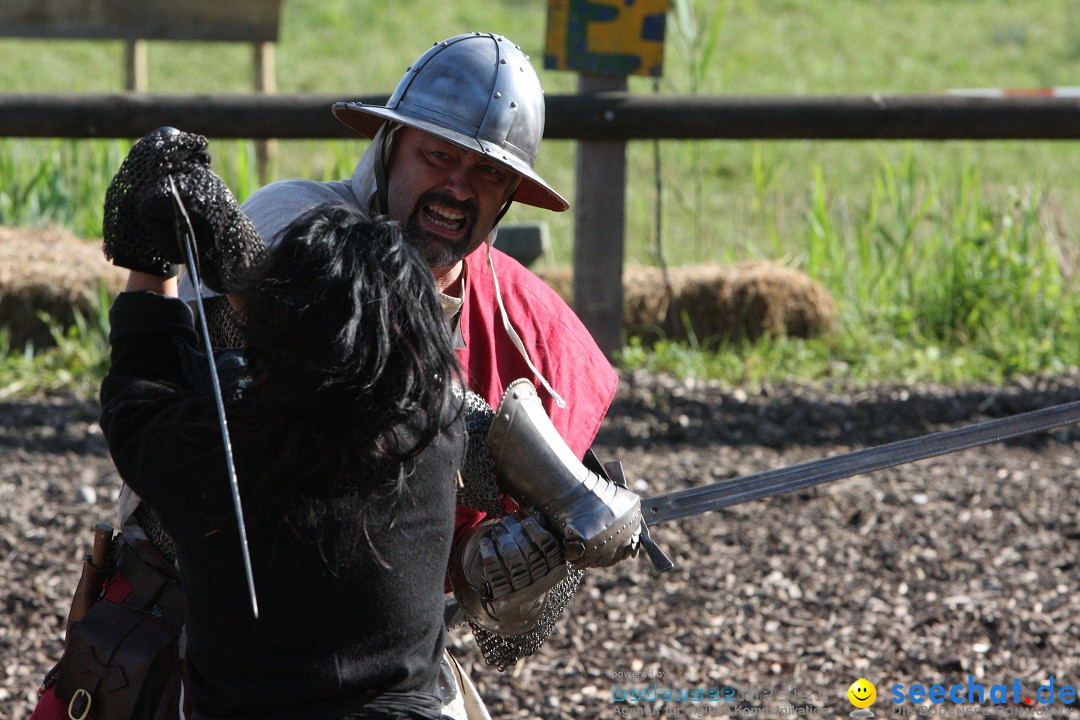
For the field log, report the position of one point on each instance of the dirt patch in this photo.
(962, 565)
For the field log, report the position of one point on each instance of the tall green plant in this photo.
(695, 27)
(56, 181)
(63, 182)
(948, 268)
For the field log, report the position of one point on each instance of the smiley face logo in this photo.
(862, 693)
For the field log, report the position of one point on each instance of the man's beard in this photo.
(437, 250)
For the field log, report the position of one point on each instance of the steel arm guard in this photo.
(599, 521)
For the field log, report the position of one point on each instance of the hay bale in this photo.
(717, 303)
(53, 271)
(49, 270)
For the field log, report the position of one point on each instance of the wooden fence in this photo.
(602, 120)
(602, 116)
(137, 21)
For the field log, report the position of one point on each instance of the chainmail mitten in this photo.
(226, 241)
(128, 241)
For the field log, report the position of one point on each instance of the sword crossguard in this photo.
(656, 554)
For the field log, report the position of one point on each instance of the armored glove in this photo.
(127, 240)
(599, 520)
(502, 571)
(140, 215)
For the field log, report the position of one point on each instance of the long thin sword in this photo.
(185, 235)
(725, 493)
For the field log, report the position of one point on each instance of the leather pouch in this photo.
(122, 660)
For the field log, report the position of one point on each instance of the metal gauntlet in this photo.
(599, 521)
(502, 571)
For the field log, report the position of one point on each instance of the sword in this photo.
(185, 236)
(725, 493)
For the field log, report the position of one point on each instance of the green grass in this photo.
(950, 261)
(74, 364)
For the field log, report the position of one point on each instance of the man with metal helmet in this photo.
(451, 150)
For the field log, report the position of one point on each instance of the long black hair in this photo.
(351, 369)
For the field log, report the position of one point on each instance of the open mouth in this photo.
(445, 218)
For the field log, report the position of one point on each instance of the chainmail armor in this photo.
(128, 241)
(226, 241)
(151, 525)
(503, 651)
(139, 225)
(479, 490)
(223, 323)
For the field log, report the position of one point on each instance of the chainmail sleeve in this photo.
(223, 323)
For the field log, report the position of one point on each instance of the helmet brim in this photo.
(532, 190)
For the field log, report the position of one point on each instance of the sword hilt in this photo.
(656, 554)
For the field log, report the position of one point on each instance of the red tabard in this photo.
(558, 343)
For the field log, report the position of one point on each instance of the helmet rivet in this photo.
(513, 104)
(498, 94)
(503, 61)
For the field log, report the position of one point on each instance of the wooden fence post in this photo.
(265, 82)
(136, 75)
(599, 212)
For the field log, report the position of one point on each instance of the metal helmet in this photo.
(479, 92)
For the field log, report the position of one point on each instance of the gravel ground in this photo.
(959, 566)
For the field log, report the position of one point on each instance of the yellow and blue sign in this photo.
(607, 37)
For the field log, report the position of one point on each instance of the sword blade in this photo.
(725, 493)
(186, 236)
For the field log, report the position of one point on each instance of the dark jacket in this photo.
(331, 638)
